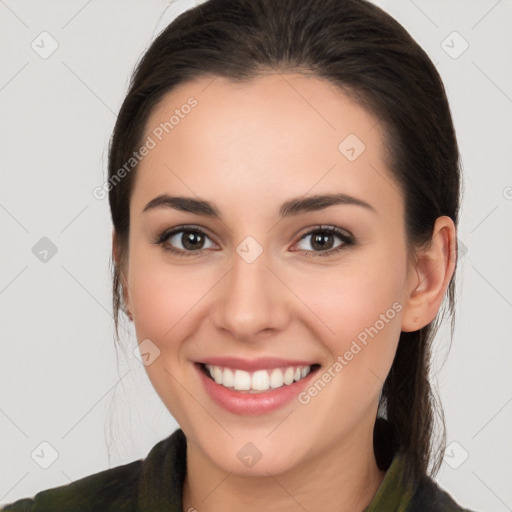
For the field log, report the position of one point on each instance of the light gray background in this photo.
(61, 382)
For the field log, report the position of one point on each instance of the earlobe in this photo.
(430, 276)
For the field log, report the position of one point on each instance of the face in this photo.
(262, 280)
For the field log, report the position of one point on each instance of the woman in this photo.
(284, 189)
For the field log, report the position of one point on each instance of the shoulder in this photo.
(429, 497)
(112, 489)
(117, 489)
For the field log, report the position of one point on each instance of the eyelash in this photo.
(347, 240)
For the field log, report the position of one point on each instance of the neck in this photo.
(343, 478)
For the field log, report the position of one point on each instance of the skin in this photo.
(248, 148)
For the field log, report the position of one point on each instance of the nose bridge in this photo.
(250, 301)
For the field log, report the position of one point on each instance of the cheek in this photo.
(352, 296)
(163, 297)
(357, 308)
(360, 312)
(165, 300)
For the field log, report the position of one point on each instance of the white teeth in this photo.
(242, 381)
(276, 378)
(260, 380)
(288, 376)
(304, 371)
(228, 378)
(217, 374)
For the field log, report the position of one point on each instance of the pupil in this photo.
(322, 241)
(191, 240)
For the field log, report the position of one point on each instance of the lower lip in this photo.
(240, 402)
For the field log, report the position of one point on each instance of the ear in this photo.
(429, 276)
(121, 266)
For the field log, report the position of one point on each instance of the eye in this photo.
(323, 241)
(184, 241)
(190, 241)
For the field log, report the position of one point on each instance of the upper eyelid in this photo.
(336, 230)
(178, 229)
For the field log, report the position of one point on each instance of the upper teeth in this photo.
(260, 380)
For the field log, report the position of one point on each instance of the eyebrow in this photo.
(291, 207)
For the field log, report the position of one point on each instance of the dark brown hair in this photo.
(372, 58)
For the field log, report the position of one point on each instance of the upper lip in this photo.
(261, 363)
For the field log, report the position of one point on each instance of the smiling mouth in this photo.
(258, 381)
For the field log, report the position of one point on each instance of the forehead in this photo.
(274, 136)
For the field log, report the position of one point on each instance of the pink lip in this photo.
(252, 365)
(239, 402)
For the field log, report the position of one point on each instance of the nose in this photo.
(251, 303)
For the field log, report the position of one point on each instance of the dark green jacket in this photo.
(155, 484)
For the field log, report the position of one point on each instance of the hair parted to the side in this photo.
(372, 58)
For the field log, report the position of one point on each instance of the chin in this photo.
(259, 457)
